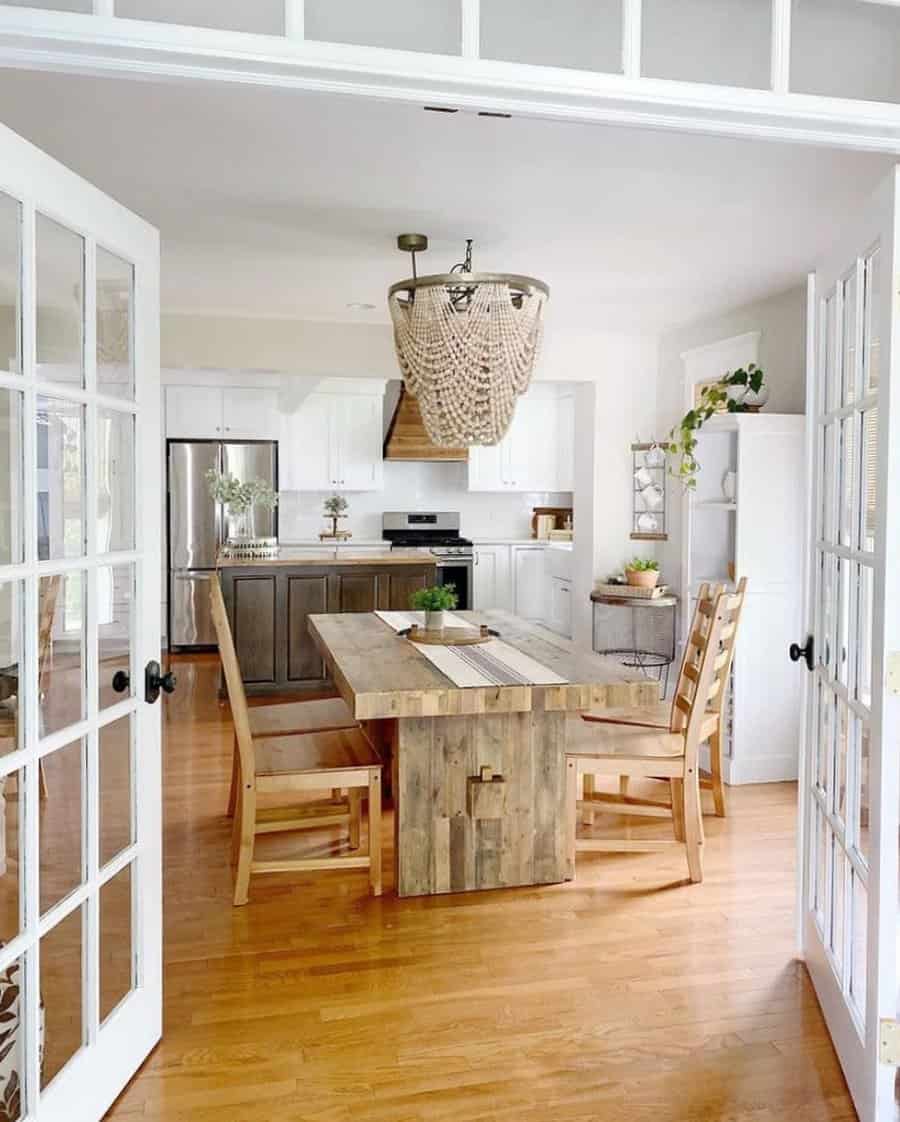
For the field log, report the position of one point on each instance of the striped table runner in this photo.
(493, 663)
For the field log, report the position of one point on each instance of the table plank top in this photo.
(381, 675)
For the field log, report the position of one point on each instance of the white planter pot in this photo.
(434, 621)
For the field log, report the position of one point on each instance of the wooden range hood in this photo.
(408, 439)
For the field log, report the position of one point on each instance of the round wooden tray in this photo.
(450, 636)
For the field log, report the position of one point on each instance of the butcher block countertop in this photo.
(328, 555)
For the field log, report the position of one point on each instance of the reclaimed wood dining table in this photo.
(478, 772)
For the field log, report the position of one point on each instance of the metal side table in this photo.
(640, 632)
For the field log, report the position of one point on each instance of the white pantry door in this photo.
(80, 777)
(850, 792)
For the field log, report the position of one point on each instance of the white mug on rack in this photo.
(653, 496)
(643, 478)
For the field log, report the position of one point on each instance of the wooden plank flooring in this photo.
(625, 995)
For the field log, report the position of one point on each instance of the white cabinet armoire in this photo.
(758, 534)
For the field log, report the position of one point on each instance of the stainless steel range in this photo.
(435, 533)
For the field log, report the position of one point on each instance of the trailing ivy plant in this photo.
(682, 440)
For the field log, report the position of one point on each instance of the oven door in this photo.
(457, 572)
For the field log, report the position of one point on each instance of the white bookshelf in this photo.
(759, 535)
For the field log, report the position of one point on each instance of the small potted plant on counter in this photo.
(642, 573)
(434, 602)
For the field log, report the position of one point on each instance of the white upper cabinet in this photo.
(250, 413)
(333, 441)
(535, 454)
(359, 429)
(217, 413)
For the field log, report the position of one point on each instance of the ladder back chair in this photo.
(292, 762)
(603, 749)
(660, 716)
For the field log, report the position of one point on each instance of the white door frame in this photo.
(88, 1084)
(856, 1034)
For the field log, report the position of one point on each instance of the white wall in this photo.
(781, 320)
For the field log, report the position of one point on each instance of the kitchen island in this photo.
(269, 603)
(478, 772)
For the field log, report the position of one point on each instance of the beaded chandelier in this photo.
(467, 344)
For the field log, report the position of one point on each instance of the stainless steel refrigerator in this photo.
(197, 525)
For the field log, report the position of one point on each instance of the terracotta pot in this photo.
(642, 578)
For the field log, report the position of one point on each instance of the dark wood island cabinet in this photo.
(269, 603)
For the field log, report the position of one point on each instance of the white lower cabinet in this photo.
(529, 582)
(559, 608)
(492, 578)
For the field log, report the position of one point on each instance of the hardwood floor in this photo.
(626, 995)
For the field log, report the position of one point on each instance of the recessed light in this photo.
(358, 306)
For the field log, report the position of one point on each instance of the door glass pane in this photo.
(12, 598)
(11, 476)
(60, 496)
(825, 747)
(725, 42)
(848, 520)
(10, 869)
(828, 605)
(869, 469)
(115, 359)
(821, 877)
(858, 936)
(848, 338)
(844, 644)
(116, 947)
(408, 25)
(832, 355)
(264, 17)
(839, 872)
(841, 759)
(845, 48)
(10, 285)
(60, 830)
(116, 797)
(61, 990)
(59, 268)
(115, 626)
(12, 1037)
(584, 34)
(864, 635)
(61, 630)
(829, 483)
(115, 480)
(865, 794)
(872, 320)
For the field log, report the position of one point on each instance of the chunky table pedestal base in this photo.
(480, 801)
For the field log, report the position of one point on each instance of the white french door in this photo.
(849, 787)
(80, 777)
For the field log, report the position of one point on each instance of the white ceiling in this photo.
(287, 204)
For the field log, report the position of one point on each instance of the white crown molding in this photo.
(100, 45)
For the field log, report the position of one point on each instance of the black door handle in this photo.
(155, 680)
(807, 653)
(121, 681)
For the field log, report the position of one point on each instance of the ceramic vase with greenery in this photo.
(434, 602)
(641, 573)
(739, 391)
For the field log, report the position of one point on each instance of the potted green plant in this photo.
(739, 391)
(335, 507)
(642, 572)
(434, 602)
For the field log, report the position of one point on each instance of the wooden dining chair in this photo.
(603, 749)
(660, 716)
(292, 763)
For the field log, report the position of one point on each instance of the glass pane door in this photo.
(80, 986)
(851, 786)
